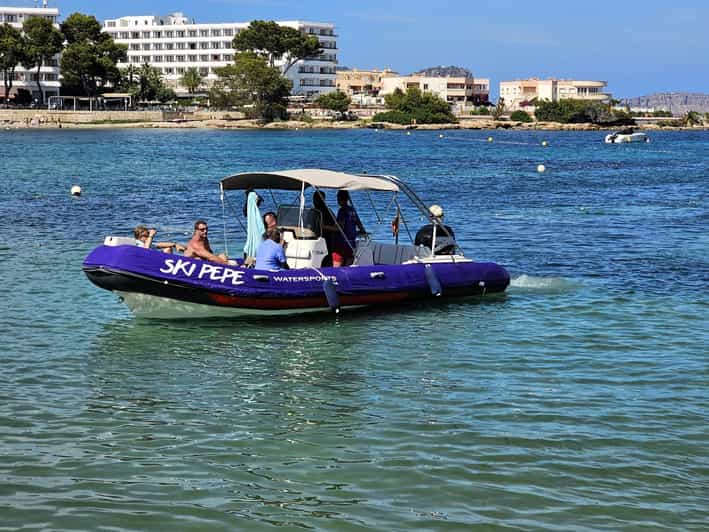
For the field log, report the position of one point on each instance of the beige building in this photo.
(368, 82)
(460, 91)
(518, 93)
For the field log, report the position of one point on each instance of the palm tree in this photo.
(499, 109)
(191, 80)
(691, 118)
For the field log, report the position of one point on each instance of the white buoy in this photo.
(541, 168)
(440, 136)
(76, 190)
(545, 143)
(408, 132)
(489, 139)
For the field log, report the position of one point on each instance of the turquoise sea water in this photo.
(576, 402)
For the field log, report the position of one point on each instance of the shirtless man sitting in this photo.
(198, 246)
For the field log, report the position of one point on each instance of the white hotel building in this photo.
(173, 44)
(49, 72)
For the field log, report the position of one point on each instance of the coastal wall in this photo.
(43, 116)
(39, 116)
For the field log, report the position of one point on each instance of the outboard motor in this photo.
(445, 245)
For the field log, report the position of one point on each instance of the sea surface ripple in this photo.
(577, 401)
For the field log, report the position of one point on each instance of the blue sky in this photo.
(638, 46)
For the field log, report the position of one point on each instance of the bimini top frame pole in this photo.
(418, 203)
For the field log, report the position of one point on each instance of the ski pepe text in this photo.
(199, 270)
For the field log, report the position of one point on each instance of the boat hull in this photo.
(160, 285)
(625, 139)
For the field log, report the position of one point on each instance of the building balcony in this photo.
(592, 96)
(459, 92)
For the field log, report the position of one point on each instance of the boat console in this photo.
(305, 246)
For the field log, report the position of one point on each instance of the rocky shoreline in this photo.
(327, 124)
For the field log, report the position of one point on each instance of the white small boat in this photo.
(625, 136)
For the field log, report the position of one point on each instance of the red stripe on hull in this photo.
(304, 302)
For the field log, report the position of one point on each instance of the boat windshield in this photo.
(289, 216)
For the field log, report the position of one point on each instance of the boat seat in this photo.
(391, 253)
(119, 241)
(304, 253)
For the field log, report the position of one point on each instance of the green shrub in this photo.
(394, 117)
(335, 101)
(482, 110)
(520, 116)
(580, 111)
(424, 107)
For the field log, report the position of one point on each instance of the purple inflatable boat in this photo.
(163, 285)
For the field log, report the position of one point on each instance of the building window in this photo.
(216, 33)
(203, 33)
(192, 33)
(168, 35)
(204, 58)
(204, 45)
(146, 46)
(228, 32)
(216, 45)
(111, 24)
(180, 34)
(169, 46)
(157, 34)
(157, 46)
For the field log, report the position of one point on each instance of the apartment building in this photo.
(459, 91)
(518, 93)
(175, 43)
(356, 82)
(49, 72)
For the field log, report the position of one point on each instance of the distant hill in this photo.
(676, 102)
(444, 72)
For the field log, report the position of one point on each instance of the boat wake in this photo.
(549, 285)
